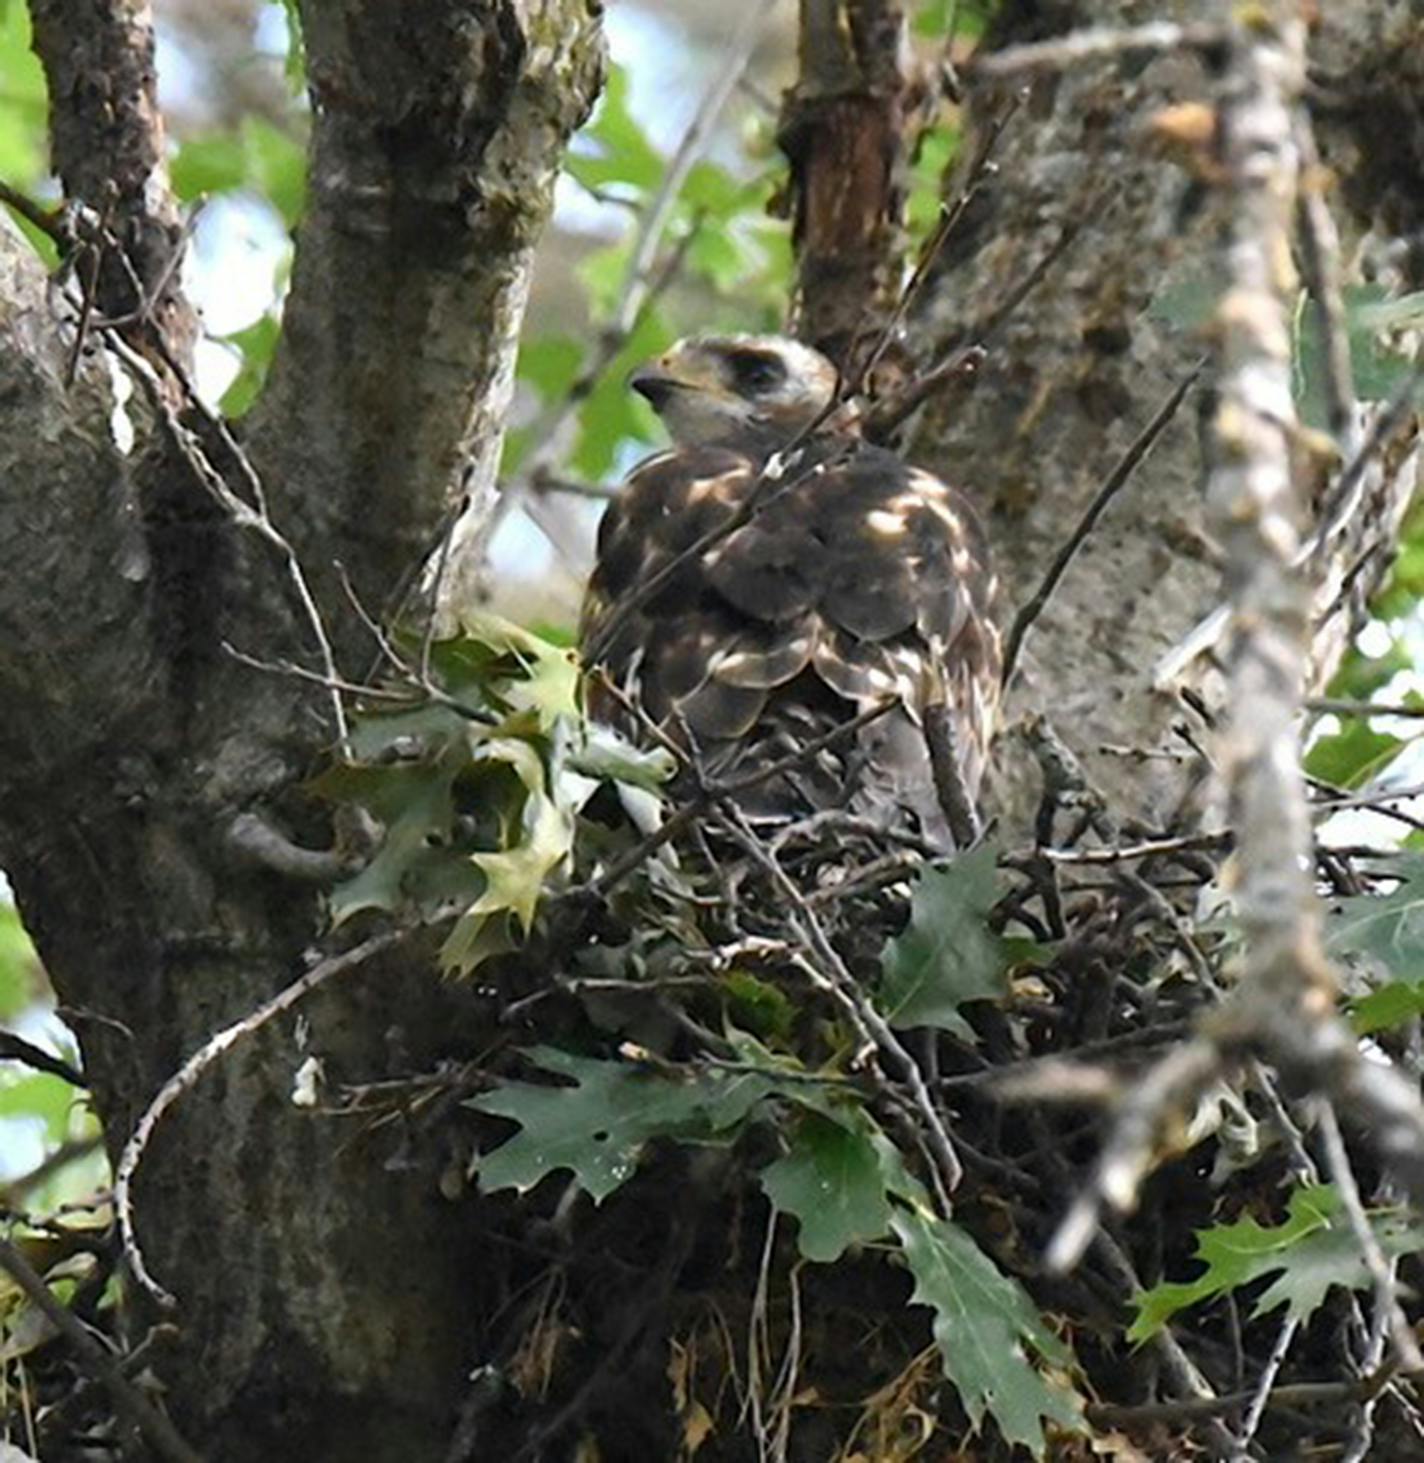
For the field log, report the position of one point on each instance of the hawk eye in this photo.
(752, 371)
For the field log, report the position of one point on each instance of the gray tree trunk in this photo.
(1090, 355)
(325, 1288)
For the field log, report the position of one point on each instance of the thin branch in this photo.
(16, 1049)
(1257, 1407)
(1093, 43)
(740, 46)
(186, 1077)
(1202, 1409)
(838, 980)
(132, 1404)
(1342, 706)
(1347, 491)
(251, 516)
(1119, 853)
(1342, 1175)
(1115, 481)
(49, 221)
(1320, 257)
(980, 169)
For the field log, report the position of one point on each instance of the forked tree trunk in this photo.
(327, 1292)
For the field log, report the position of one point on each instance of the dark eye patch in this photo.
(755, 371)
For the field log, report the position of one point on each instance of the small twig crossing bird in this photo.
(775, 575)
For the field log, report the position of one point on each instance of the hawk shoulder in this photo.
(854, 579)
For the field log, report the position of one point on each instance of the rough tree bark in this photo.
(315, 1280)
(1085, 361)
(843, 132)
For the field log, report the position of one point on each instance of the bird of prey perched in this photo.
(774, 576)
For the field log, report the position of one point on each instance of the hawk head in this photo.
(716, 389)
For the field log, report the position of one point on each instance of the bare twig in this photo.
(736, 58)
(49, 221)
(980, 168)
(838, 980)
(165, 1439)
(1342, 1175)
(1118, 853)
(1320, 257)
(1257, 1406)
(16, 1049)
(186, 1077)
(1171, 1087)
(1092, 43)
(1284, 1004)
(710, 791)
(1115, 481)
(1345, 494)
(1341, 706)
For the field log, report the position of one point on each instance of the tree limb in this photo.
(437, 131)
(72, 559)
(107, 139)
(843, 131)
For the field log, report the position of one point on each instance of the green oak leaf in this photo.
(1313, 1249)
(947, 955)
(547, 683)
(1387, 929)
(598, 1127)
(830, 1180)
(985, 1325)
(514, 877)
(1354, 755)
(416, 804)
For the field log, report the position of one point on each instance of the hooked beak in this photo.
(654, 383)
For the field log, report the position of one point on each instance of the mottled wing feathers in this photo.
(855, 578)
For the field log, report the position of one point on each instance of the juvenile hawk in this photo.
(849, 579)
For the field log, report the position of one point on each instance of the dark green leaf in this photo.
(416, 804)
(1387, 929)
(948, 955)
(983, 1324)
(830, 1180)
(598, 1127)
(1377, 370)
(757, 1005)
